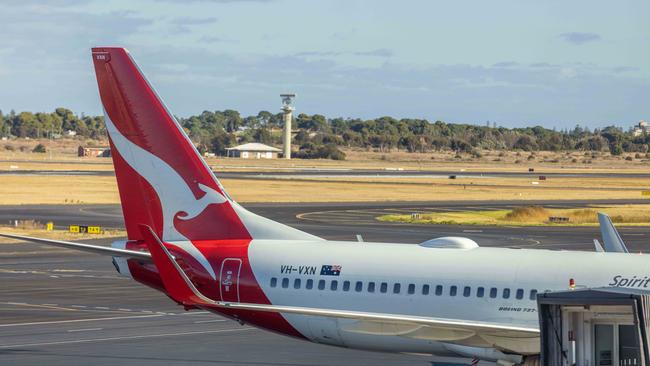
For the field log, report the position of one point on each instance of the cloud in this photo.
(380, 52)
(193, 21)
(579, 38)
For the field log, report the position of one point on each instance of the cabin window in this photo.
(480, 291)
(506, 293)
(274, 282)
(397, 288)
(296, 283)
(371, 287)
(453, 290)
(321, 285)
(358, 287)
(310, 284)
(533, 295)
(425, 289)
(411, 289)
(467, 291)
(383, 288)
(334, 285)
(346, 285)
(285, 283)
(438, 290)
(520, 294)
(493, 292)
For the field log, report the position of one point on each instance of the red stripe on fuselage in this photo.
(216, 252)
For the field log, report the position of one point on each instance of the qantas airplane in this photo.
(445, 298)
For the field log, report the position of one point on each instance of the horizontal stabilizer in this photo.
(611, 238)
(98, 249)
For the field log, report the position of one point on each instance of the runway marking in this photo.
(122, 338)
(84, 330)
(37, 306)
(80, 320)
(210, 321)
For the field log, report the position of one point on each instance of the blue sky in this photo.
(517, 63)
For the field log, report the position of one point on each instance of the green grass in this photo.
(629, 215)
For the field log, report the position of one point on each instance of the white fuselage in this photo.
(481, 284)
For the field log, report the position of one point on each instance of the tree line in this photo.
(317, 136)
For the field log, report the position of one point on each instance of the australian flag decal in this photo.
(330, 270)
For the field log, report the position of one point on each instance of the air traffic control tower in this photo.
(287, 115)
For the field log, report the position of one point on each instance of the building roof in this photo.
(254, 146)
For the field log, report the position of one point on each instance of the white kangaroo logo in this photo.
(176, 197)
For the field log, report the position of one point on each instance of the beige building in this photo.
(253, 150)
(641, 128)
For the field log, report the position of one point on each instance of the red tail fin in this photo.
(163, 182)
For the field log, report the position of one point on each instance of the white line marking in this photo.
(210, 321)
(80, 320)
(101, 307)
(78, 306)
(472, 231)
(120, 309)
(121, 338)
(83, 330)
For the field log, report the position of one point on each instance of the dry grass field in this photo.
(61, 155)
(622, 215)
(16, 189)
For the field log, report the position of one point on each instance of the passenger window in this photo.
(396, 288)
(383, 288)
(296, 283)
(334, 285)
(520, 294)
(480, 291)
(371, 287)
(358, 287)
(310, 284)
(506, 293)
(453, 290)
(346, 285)
(411, 289)
(274, 282)
(425, 289)
(321, 285)
(285, 283)
(493, 292)
(438, 290)
(533, 294)
(467, 291)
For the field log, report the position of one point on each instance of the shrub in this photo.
(9, 147)
(40, 148)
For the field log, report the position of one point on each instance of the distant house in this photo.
(641, 128)
(253, 150)
(104, 151)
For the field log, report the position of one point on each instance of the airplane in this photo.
(447, 297)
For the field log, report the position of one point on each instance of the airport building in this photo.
(599, 326)
(253, 150)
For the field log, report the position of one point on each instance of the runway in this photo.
(62, 307)
(325, 173)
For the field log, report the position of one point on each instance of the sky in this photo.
(515, 63)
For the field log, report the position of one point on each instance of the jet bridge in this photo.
(599, 327)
